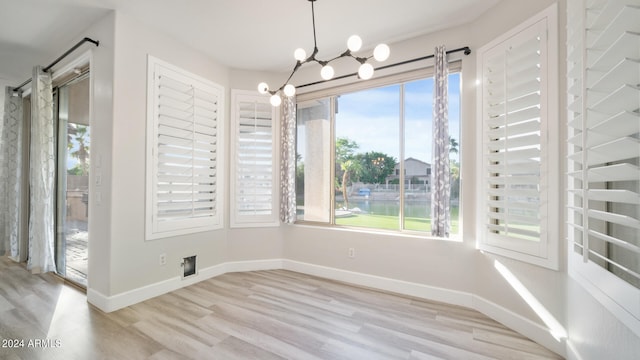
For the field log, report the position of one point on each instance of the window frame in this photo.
(188, 225)
(238, 220)
(546, 252)
(454, 66)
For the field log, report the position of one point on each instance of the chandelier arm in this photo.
(312, 57)
(344, 54)
(295, 68)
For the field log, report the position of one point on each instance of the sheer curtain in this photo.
(42, 172)
(288, 161)
(10, 174)
(441, 187)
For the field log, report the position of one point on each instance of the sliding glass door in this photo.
(74, 144)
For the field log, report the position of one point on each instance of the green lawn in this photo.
(388, 222)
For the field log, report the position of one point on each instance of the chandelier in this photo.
(354, 43)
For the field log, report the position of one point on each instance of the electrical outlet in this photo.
(352, 253)
(163, 259)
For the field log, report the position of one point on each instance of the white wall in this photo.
(135, 262)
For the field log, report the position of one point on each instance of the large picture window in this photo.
(364, 157)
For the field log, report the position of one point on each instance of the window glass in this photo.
(367, 148)
(364, 157)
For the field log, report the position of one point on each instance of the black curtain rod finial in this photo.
(95, 42)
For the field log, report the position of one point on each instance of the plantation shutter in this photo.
(254, 185)
(604, 146)
(185, 117)
(515, 110)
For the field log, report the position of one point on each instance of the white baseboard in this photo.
(382, 283)
(520, 324)
(526, 327)
(253, 265)
(122, 300)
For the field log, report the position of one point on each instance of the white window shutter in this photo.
(518, 112)
(603, 210)
(183, 182)
(254, 160)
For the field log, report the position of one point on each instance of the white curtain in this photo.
(441, 187)
(288, 161)
(42, 172)
(10, 174)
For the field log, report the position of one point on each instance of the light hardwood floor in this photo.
(274, 314)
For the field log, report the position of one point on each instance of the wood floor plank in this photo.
(270, 315)
(233, 348)
(510, 341)
(166, 354)
(336, 349)
(266, 341)
(176, 340)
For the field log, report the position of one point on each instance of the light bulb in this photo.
(354, 43)
(327, 72)
(289, 90)
(381, 52)
(275, 100)
(300, 54)
(263, 88)
(365, 71)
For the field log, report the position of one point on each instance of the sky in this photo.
(371, 118)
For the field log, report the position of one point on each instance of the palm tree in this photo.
(345, 149)
(346, 166)
(78, 134)
(453, 145)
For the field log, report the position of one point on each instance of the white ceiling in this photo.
(244, 34)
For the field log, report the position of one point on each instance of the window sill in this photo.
(379, 232)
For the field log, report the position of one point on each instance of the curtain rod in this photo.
(466, 50)
(95, 42)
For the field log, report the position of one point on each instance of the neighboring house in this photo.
(415, 172)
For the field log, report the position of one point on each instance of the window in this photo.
(184, 189)
(603, 210)
(364, 156)
(253, 154)
(518, 190)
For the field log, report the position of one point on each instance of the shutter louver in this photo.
(518, 109)
(604, 131)
(512, 128)
(185, 155)
(253, 153)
